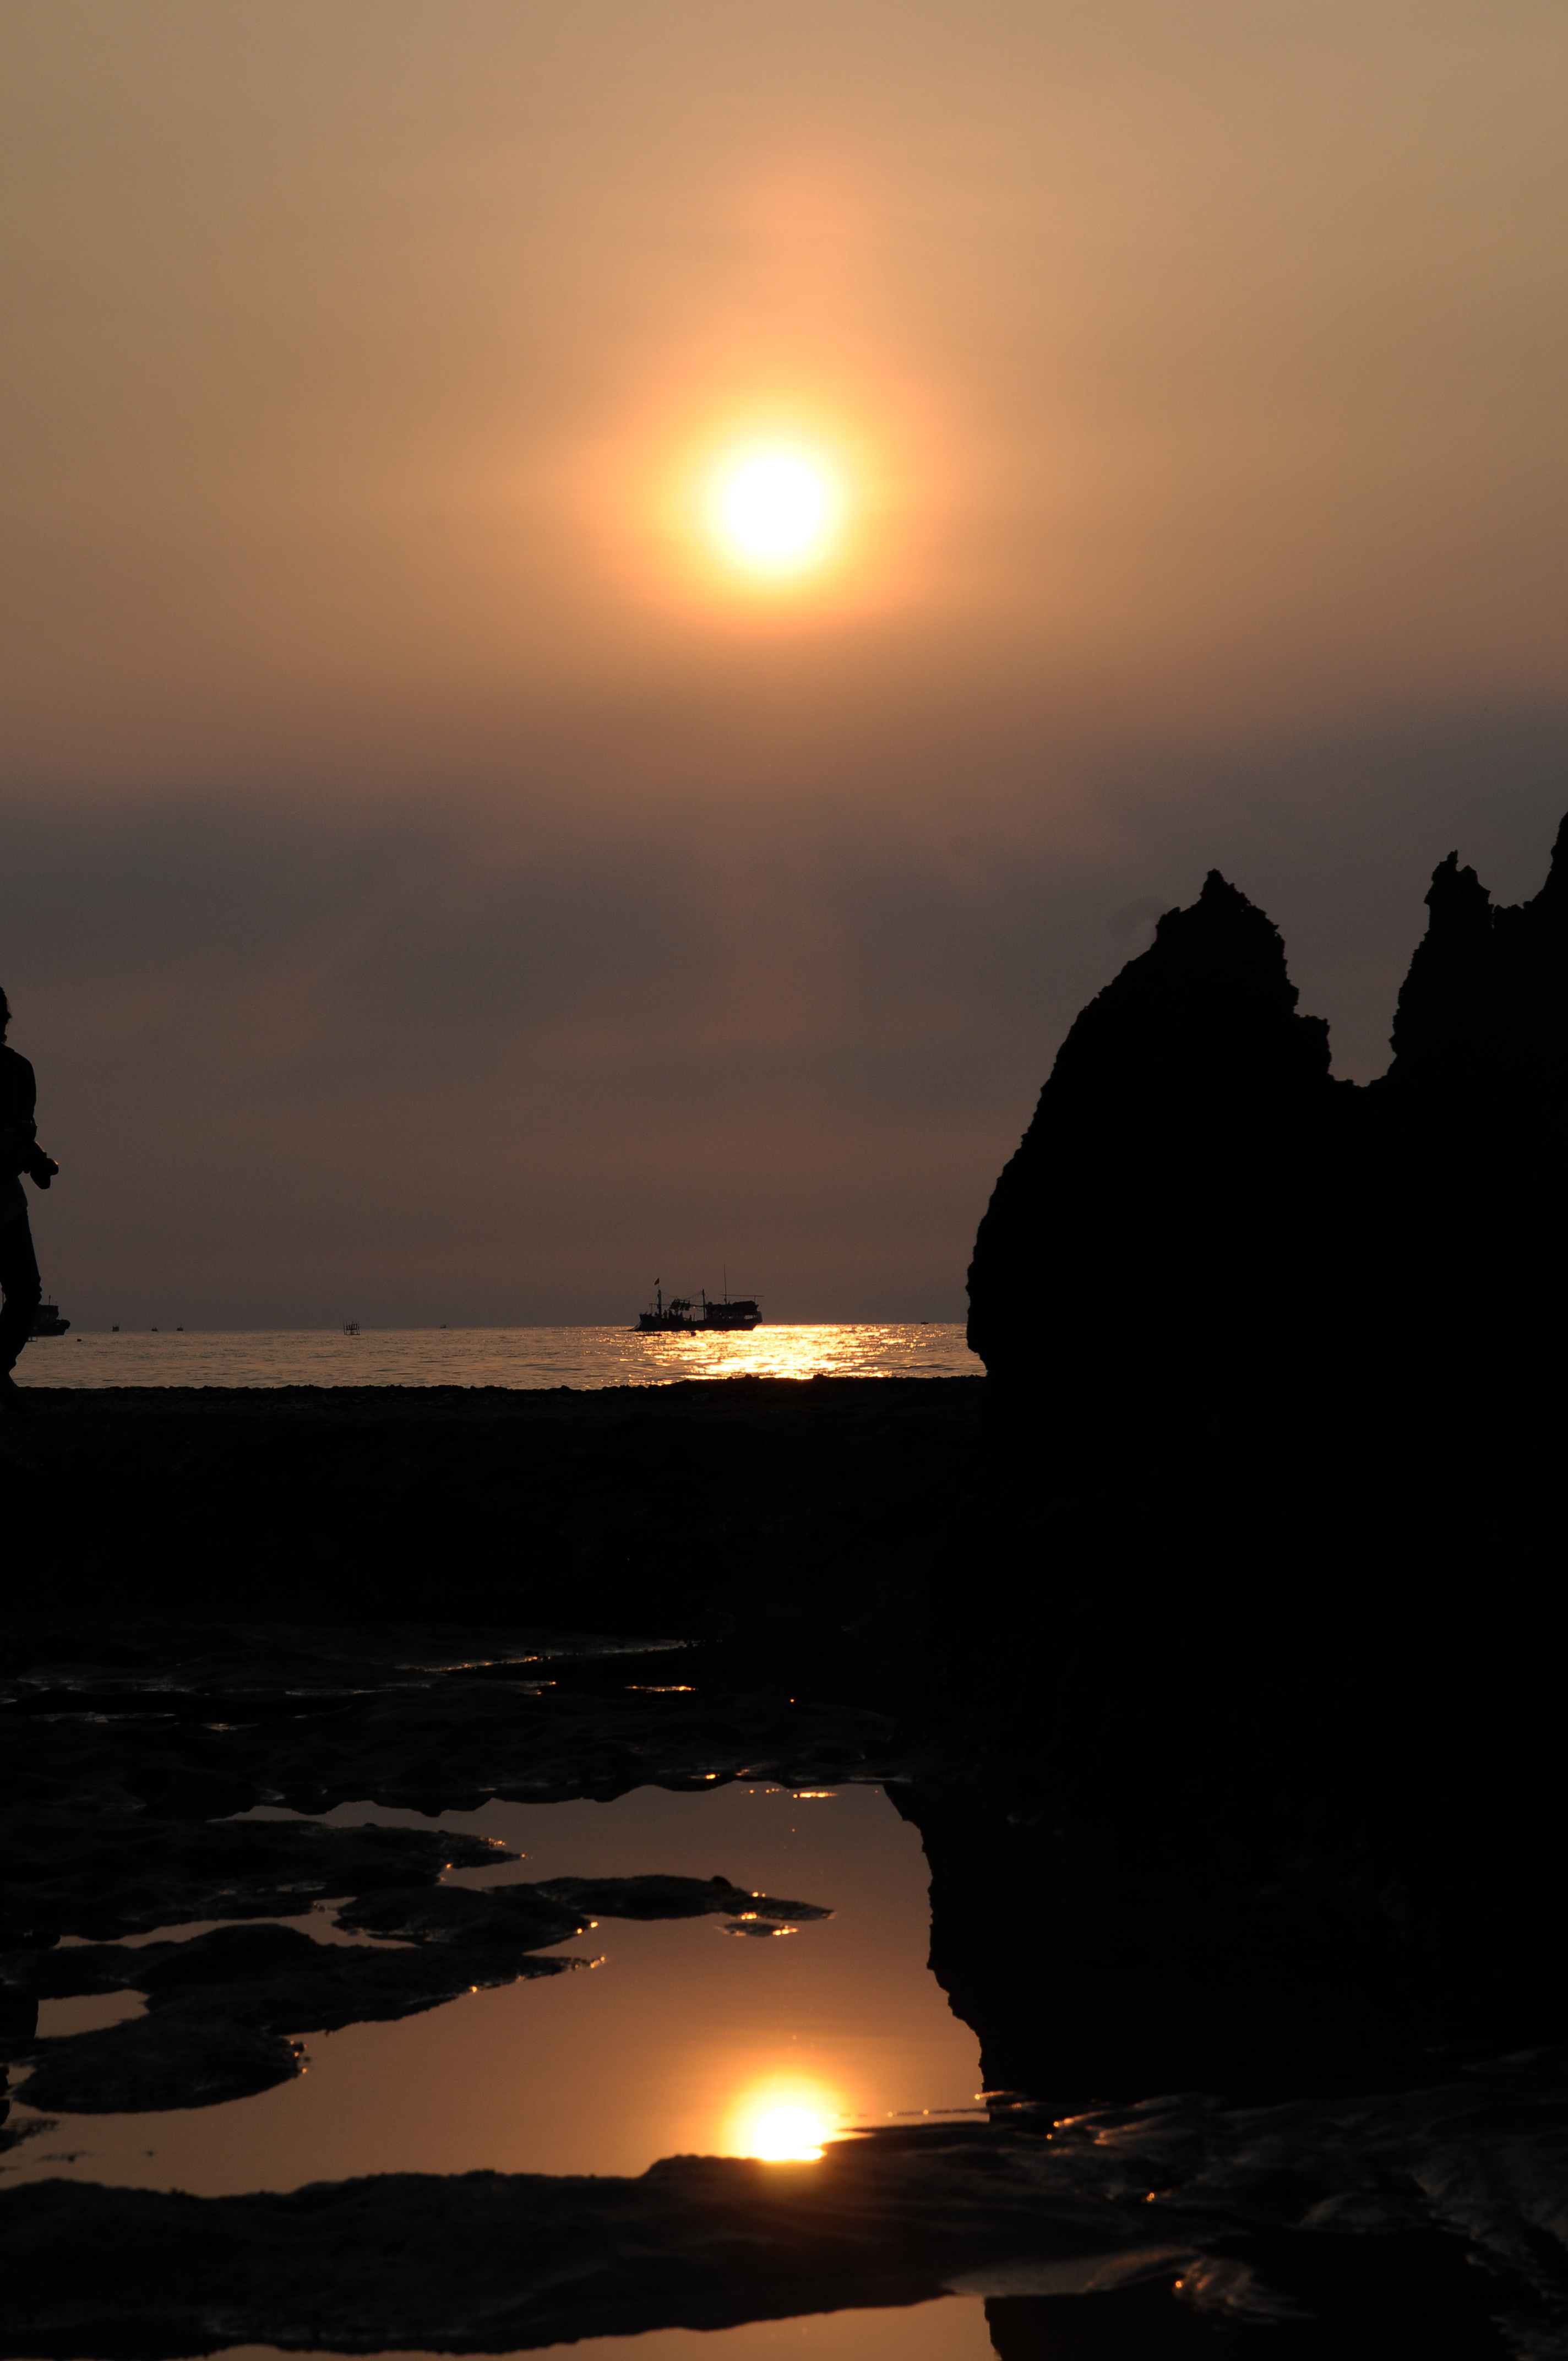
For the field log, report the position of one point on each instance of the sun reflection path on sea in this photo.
(826, 1350)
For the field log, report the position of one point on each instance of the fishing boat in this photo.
(672, 1319)
(735, 1311)
(47, 1320)
(683, 1317)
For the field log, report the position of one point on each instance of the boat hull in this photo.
(679, 1316)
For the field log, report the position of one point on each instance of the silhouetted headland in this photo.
(1277, 1538)
(1203, 1232)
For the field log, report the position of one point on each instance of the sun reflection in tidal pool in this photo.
(783, 2121)
(787, 2135)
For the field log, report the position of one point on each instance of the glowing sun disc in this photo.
(774, 510)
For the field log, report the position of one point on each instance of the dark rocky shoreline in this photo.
(630, 1509)
(1226, 1784)
(1297, 2232)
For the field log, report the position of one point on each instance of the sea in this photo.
(528, 1358)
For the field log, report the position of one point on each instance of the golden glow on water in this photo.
(612, 1355)
(909, 1348)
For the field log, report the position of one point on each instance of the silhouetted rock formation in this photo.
(1469, 1132)
(1201, 1222)
(1483, 1015)
(1151, 1241)
(1274, 1527)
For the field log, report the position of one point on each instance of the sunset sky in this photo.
(616, 610)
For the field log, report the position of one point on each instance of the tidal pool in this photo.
(694, 2039)
(678, 2039)
(952, 2330)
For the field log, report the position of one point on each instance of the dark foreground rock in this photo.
(218, 2009)
(1152, 1233)
(1321, 2231)
(104, 1869)
(633, 1509)
(1276, 1518)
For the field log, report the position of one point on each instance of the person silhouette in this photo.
(19, 1153)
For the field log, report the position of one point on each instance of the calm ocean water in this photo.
(492, 1356)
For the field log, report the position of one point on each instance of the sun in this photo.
(775, 511)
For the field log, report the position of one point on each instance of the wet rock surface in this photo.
(97, 1871)
(673, 1897)
(119, 1745)
(217, 2005)
(186, 2058)
(113, 1825)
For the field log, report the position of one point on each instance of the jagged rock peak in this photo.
(1197, 1195)
(1158, 1193)
(1484, 1006)
(1555, 893)
(1209, 1009)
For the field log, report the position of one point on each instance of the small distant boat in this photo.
(672, 1319)
(736, 1312)
(351, 1327)
(681, 1317)
(47, 1320)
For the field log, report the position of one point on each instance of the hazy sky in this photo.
(434, 883)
